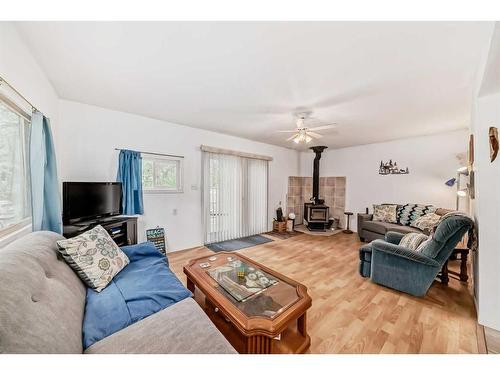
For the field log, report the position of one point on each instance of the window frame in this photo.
(179, 174)
(25, 221)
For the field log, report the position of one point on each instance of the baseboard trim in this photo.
(492, 338)
(482, 347)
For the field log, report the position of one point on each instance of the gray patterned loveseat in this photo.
(42, 304)
(369, 230)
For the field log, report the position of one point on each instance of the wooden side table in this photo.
(347, 230)
(459, 254)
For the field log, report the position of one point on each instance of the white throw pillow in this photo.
(94, 256)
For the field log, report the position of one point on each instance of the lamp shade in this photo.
(451, 181)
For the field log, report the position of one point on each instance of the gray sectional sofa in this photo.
(43, 303)
(369, 230)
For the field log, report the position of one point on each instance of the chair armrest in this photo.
(403, 252)
(393, 237)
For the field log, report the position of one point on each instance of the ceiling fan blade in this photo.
(314, 135)
(286, 131)
(292, 137)
(324, 127)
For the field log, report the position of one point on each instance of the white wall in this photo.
(486, 206)
(90, 134)
(487, 211)
(432, 160)
(19, 68)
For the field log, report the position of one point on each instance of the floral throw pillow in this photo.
(426, 222)
(94, 256)
(385, 212)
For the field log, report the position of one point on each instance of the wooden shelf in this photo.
(126, 236)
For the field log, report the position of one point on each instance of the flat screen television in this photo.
(85, 201)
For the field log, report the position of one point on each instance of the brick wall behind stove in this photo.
(331, 189)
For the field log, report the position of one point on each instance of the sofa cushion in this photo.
(144, 287)
(381, 228)
(180, 328)
(94, 256)
(41, 299)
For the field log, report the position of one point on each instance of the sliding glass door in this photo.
(234, 196)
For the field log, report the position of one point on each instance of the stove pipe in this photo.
(317, 150)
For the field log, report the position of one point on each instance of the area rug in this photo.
(240, 243)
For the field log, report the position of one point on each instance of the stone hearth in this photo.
(331, 189)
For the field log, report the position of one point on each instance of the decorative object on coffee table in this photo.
(270, 321)
(348, 219)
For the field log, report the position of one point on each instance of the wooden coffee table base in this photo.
(274, 321)
(293, 340)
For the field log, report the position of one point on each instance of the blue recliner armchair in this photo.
(397, 267)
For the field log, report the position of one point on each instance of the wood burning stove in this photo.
(316, 213)
(316, 216)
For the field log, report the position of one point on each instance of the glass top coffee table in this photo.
(256, 308)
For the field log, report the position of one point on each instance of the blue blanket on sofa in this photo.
(145, 286)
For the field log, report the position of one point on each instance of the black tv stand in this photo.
(123, 229)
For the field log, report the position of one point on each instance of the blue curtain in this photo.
(45, 198)
(130, 175)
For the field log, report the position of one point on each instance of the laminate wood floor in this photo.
(351, 314)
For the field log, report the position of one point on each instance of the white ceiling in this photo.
(378, 80)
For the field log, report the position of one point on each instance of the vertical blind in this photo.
(234, 196)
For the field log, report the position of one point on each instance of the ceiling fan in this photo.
(302, 132)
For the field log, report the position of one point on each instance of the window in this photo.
(162, 174)
(15, 205)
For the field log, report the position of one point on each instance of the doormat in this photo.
(240, 243)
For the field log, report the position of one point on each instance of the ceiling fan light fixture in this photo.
(304, 134)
